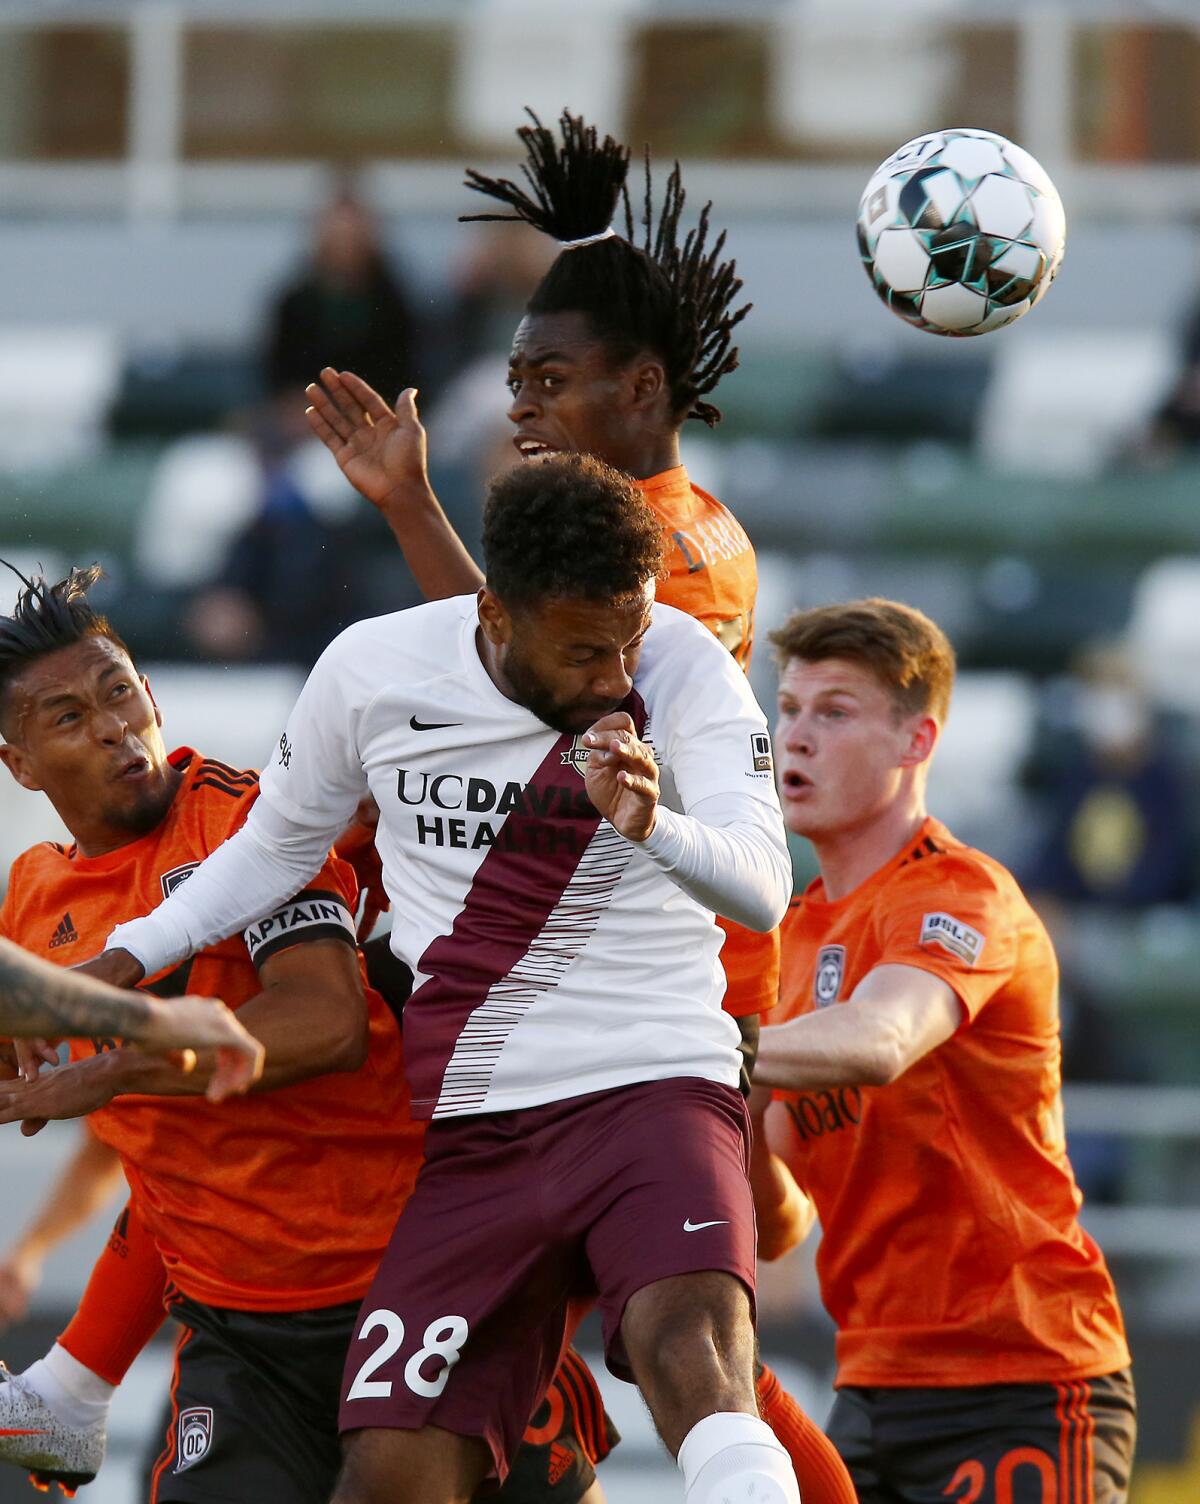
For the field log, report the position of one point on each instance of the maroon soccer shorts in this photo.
(516, 1212)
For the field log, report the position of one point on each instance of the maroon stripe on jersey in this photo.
(515, 889)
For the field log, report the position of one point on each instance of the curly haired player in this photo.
(571, 781)
(623, 341)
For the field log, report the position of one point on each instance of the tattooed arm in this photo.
(39, 999)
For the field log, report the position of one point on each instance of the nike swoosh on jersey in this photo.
(431, 725)
(690, 1226)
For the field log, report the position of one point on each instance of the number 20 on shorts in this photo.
(444, 1338)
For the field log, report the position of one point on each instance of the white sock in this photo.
(733, 1457)
(76, 1395)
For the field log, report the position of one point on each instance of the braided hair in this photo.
(661, 295)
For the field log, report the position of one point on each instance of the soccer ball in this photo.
(961, 232)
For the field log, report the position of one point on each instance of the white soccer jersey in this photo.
(551, 957)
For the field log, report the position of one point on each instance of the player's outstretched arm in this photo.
(895, 1015)
(39, 999)
(310, 1019)
(382, 453)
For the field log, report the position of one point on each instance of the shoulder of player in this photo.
(415, 640)
(676, 632)
(678, 652)
(940, 866)
(24, 872)
(213, 803)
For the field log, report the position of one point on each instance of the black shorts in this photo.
(1069, 1443)
(254, 1405)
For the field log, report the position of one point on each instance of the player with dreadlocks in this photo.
(622, 342)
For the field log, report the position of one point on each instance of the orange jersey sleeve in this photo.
(951, 1252)
(751, 962)
(280, 1200)
(967, 929)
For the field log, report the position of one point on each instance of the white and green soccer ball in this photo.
(961, 232)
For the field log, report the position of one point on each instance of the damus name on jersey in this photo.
(821, 1112)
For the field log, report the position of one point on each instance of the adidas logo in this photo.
(65, 934)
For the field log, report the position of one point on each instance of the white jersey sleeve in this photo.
(719, 832)
(308, 795)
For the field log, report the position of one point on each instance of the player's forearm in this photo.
(265, 863)
(40, 1000)
(433, 551)
(836, 1047)
(304, 1034)
(783, 1212)
(726, 855)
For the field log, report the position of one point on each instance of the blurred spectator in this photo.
(348, 309)
(1116, 824)
(311, 560)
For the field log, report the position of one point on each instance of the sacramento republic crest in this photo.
(831, 967)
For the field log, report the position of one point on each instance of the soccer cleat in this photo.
(33, 1437)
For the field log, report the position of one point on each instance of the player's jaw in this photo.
(140, 788)
(572, 662)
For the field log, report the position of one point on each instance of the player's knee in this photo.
(698, 1325)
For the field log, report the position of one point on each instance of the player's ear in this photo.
(648, 381)
(494, 617)
(923, 738)
(16, 760)
(158, 715)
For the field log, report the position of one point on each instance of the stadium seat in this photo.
(973, 783)
(514, 53)
(1164, 631)
(58, 383)
(203, 491)
(1064, 403)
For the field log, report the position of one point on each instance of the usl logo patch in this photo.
(195, 1436)
(760, 751)
(953, 935)
(831, 967)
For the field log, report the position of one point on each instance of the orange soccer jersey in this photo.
(951, 1251)
(274, 1202)
(714, 578)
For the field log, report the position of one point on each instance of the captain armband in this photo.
(314, 914)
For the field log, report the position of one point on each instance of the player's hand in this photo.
(177, 1029)
(32, 1054)
(621, 776)
(381, 450)
(20, 1275)
(68, 1091)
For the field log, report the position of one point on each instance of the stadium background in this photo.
(161, 165)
